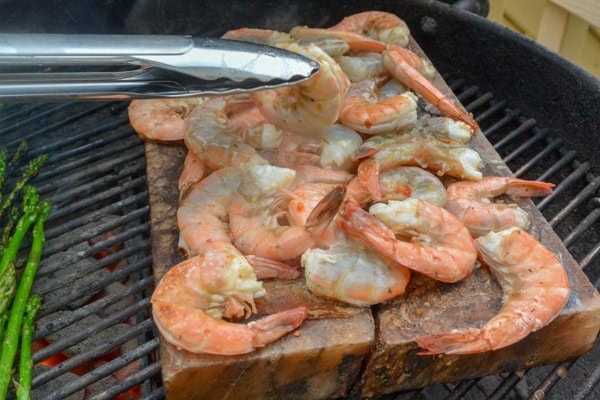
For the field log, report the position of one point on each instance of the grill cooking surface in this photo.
(95, 337)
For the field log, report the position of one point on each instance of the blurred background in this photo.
(569, 27)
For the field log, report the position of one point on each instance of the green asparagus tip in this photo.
(33, 304)
(44, 209)
(30, 198)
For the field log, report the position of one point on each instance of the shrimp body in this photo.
(379, 25)
(391, 150)
(215, 140)
(353, 274)
(161, 119)
(396, 60)
(535, 285)
(361, 67)
(193, 172)
(365, 112)
(470, 202)
(255, 216)
(190, 299)
(440, 246)
(311, 106)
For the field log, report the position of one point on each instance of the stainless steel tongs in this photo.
(50, 67)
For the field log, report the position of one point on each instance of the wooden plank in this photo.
(588, 10)
(552, 26)
(574, 38)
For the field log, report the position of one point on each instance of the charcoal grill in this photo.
(537, 109)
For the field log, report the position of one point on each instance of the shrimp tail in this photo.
(265, 268)
(395, 59)
(467, 341)
(272, 327)
(368, 175)
(325, 211)
(526, 188)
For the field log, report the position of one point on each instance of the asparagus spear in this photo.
(23, 147)
(25, 363)
(32, 169)
(11, 339)
(7, 268)
(3, 155)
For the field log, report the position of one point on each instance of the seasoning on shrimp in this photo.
(161, 119)
(440, 246)
(470, 202)
(535, 286)
(190, 300)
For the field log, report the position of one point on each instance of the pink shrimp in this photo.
(190, 300)
(365, 112)
(397, 61)
(161, 119)
(193, 172)
(535, 285)
(255, 216)
(386, 151)
(202, 218)
(441, 246)
(469, 201)
(218, 140)
(379, 25)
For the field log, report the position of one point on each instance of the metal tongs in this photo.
(51, 67)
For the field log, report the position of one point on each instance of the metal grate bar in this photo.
(462, 388)
(104, 370)
(559, 372)
(129, 382)
(45, 269)
(506, 386)
(583, 226)
(98, 284)
(542, 155)
(98, 198)
(91, 354)
(524, 127)
(469, 92)
(508, 118)
(59, 146)
(496, 108)
(35, 117)
(539, 135)
(583, 195)
(56, 246)
(16, 111)
(589, 257)
(565, 184)
(56, 125)
(91, 308)
(107, 210)
(565, 160)
(68, 341)
(481, 100)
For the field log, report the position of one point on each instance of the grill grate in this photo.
(96, 276)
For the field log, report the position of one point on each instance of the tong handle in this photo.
(79, 48)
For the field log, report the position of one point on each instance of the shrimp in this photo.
(445, 129)
(401, 183)
(333, 151)
(379, 25)
(365, 112)
(440, 248)
(193, 172)
(311, 106)
(361, 67)
(260, 36)
(255, 216)
(535, 285)
(161, 120)
(349, 272)
(216, 140)
(470, 202)
(190, 299)
(202, 217)
(398, 62)
(391, 150)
